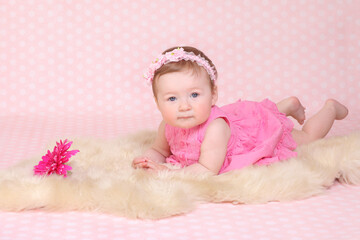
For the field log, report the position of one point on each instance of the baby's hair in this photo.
(181, 65)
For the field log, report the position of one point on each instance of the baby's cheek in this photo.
(204, 114)
(169, 116)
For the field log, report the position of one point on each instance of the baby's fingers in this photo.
(149, 165)
(145, 163)
(156, 167)
(141, 165)
(139, 160)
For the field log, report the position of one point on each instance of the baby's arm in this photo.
(213, 148)
(212, 152)
(158, 152)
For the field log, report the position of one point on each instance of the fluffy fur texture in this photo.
(103, 180)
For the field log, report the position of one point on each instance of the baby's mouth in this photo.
(185, 117)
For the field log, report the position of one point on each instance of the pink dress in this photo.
(260, 135)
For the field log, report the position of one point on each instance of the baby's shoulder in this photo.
(217, 127)
(217, 135)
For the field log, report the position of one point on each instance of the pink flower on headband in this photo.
(175, 56)
(54, 162)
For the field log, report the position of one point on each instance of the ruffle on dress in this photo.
(261, 135)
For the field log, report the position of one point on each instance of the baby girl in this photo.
(202, 137)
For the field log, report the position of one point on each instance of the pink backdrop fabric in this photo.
(88, 57)
(74, 68)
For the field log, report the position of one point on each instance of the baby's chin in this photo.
(185, 123)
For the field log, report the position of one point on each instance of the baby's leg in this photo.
(320, 124)
(291, 106)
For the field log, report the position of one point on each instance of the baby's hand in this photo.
(148, 164)
(138, 162)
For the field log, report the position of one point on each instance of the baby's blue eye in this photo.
(194, 95)
(171, 99)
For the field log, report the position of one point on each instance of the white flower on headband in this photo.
(175, 56)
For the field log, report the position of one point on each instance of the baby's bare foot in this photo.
(299, 114)
(297, 110)
(340, 110)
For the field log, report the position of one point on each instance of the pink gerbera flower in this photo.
(54, 162)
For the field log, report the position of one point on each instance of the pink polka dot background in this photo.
(74, 68)
(86, 57)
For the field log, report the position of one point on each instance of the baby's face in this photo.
(185, 98)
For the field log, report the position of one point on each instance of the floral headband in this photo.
(175, 56)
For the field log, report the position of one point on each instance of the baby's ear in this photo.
(214, 96)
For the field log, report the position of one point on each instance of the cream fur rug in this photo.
(102, 180)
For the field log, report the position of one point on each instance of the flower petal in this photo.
(53, 162)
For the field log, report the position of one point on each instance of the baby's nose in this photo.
(184, 105)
